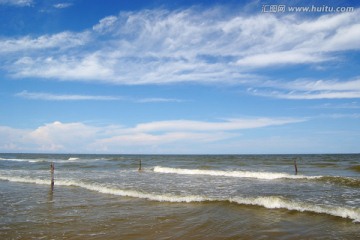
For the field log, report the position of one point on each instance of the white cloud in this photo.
(328, 22)
(162, 135)
(307, 89)
(228, 125)
(189, 45)
(66, 68)
(63, 97)
(322, 85)
(12, 139)
(280, 58)
(105, 24)
(346, 38)
(58, 136)
(61, 40)
(159, 100)
(19, 3)
(349, 105)
(62, 5)
(77, 97)
(317, 95)
(164, 140)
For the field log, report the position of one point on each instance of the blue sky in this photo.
(187, 77)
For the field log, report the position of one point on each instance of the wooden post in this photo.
(52, 169)
(139, 165)
(295, 165)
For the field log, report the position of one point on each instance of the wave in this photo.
(355, 168)
(239, 174)
(73, 159)
(274, 202)
(108, 190)
(269, 202)
(24, 180)
(345, 181)
(23, 160)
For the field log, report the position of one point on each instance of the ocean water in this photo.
(180, 197)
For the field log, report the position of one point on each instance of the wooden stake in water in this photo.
(52, 170)
(295, 165)
(139, 165)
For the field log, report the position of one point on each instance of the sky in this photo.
(179, 77)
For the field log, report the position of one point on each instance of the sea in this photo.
(180, 196)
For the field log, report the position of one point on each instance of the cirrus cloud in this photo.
(38, 45)
(62, 5)
(190, 45)
(78, 97)
(18, 3)
(64, 97)
(307, 89)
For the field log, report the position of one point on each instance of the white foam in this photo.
(143, 195)
(109, 190)
(22, 160)
(273, 202)
(15, 159)
(37, 160)
(239, 174)
(73, 159)
(24, 180)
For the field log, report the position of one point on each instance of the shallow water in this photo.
(179, 197)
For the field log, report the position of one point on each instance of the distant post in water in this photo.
(139, 165)
(52, 169)
(295, 165)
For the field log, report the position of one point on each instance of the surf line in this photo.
(269, 202)
(238, 174)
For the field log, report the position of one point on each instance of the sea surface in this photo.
(180, 196)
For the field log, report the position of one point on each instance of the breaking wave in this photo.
(344, 181)
(273, 202)
(23, 160)
(239, 174)
(270, 202)
(109, 190)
